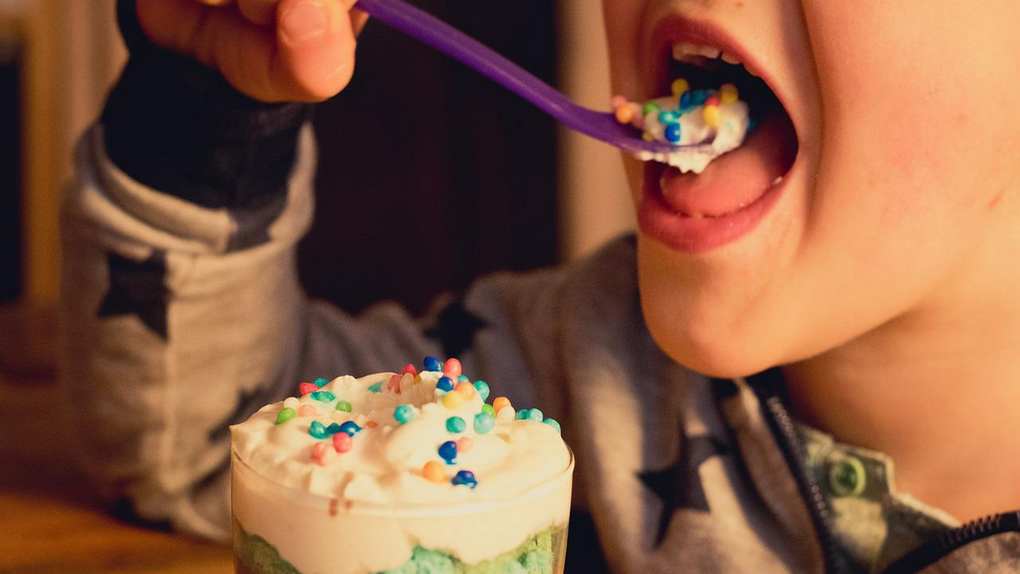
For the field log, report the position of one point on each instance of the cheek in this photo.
(909, 115)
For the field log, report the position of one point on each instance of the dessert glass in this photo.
(284, 530)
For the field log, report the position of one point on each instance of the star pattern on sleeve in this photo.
(678, 486)
(137, 288)
(455, 328)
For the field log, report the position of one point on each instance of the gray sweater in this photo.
(184, 315)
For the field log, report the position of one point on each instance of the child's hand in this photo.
(272, 50)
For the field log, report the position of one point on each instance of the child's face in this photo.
(901, 199)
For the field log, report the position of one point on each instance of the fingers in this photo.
(315, 55)
(306, 53)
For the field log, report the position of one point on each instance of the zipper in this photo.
(947, 542)
(768, 388)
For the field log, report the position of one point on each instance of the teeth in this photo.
(684, 50)
(729, 59)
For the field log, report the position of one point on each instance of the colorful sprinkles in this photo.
(646, 116)
(453, 391)
(465, 478)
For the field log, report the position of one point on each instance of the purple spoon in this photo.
(434, 32)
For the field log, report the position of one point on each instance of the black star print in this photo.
(679, 485)
(137, 288)
(455, 328)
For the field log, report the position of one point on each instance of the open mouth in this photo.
(737, 184)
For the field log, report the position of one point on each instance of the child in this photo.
(737, 382)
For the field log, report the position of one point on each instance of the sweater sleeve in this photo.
(182, 312)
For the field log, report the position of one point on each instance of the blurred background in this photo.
(475, 180)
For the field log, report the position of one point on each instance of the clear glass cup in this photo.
(283, 530)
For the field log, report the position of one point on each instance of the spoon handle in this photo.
(459, 46)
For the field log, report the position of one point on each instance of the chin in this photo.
(710, 331)
(721, 354)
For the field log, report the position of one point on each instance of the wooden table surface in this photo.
(49, 522)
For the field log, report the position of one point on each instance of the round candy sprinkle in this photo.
(410, 370)
(321, 382)
(650, 108)
(393, 385)
(434, 471)
(673, 133)
(404, 414)
(464, 478)
(679, 86)
(342, 442)
(465, 443)
(444, 384)
(728, 94)
(506, 414)
(530, 415)
(483, 389)
(500, 402)
(285, 415)
(319, 453)
(350, 427)
(685, 102)
(376, 388)
(487, 409)
(432, 364)
(624, 114)
(333, 428)
(292, 402)
(711, 115)
(463, 379)
(323, 396)
(466, 390)
(668, 117)
(484, 422)
(455, 425)
(700, 96)
(553, 423)
(344, 406)
(317, 430)
(452, 368)
(448, 451)
(307, 411)
(712, 100)
(453, 400)
(305, 388)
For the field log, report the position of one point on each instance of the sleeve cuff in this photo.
(177, 126)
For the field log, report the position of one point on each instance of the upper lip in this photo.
(677, 28)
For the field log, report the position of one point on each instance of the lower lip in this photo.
(695, 235)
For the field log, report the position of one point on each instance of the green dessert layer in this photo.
(540, 554)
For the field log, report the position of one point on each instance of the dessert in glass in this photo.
(399, 473)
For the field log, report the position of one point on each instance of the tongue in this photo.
(738, 178)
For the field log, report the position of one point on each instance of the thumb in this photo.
(316, 42)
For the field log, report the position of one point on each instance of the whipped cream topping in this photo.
(361, 502)
(386, 461)
(703, 124)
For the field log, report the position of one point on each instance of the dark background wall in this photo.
(430, 175)
(10, 170)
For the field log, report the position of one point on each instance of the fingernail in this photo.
(304, 22)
